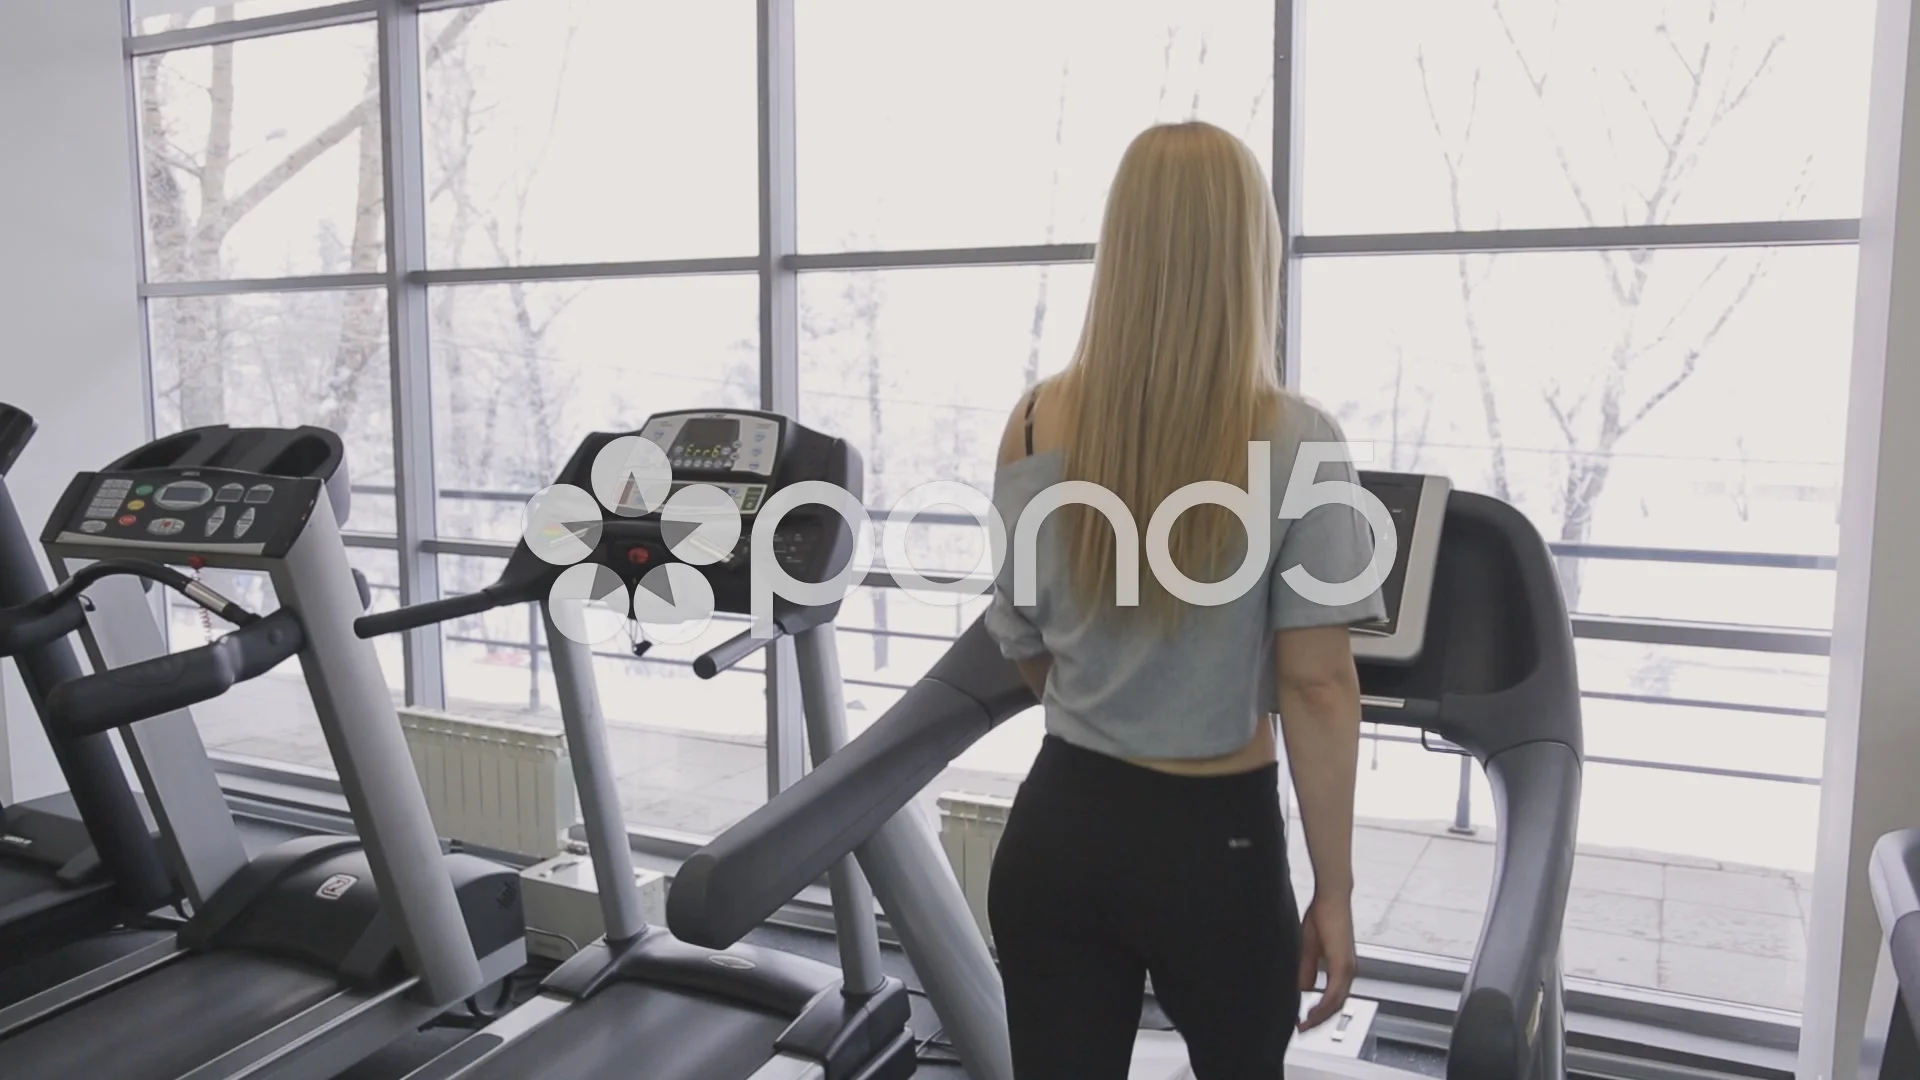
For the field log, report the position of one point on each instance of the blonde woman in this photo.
(1149, 838)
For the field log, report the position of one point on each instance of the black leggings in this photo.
(1109, 872)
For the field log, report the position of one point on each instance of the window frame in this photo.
(778, 264)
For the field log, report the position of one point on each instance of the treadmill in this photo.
(1891, 1047)
(308, 958)
(639, 1002)
(1477, 650)
(81, 863)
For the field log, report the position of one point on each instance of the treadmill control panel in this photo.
(719, 443)
(186, 508)
(741, 458)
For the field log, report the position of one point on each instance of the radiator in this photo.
(970, 828)
(492, 783)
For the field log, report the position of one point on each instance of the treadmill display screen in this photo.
(1400, 492)
(708, 436)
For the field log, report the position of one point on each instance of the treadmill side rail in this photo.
(82, 987)
(320, 1042)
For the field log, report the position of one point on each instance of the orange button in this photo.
(127, 519)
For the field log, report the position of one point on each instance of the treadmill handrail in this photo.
(413, 616)
(1893, 875)
(734, 883)
(28, 627)
(94, 774)
(1512, 991)
(125, 695)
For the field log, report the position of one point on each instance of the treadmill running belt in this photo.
(50, 969)
(168, 1022)
(632, 1029)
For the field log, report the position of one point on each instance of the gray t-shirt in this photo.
(1122, 686)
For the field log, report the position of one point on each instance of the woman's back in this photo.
(1128, 685)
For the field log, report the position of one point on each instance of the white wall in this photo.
(1873, 717)
(69, 245)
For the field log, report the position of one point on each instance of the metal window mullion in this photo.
(242, 29)
(479, 549)
(779, 336)
(150, 409)
(232, 286)
(492, 275)
(929, 258)
(402, 154)
(1287, 126)
(1786, 642)
(1756, 234)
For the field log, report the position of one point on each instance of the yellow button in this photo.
(137, 504)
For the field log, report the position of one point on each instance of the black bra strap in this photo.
(1030, 400)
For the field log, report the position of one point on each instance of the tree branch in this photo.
(1200, 65)
(1691, 361)
(326, 139)
(1538, 82)
(1646, 107)
(1561, 416)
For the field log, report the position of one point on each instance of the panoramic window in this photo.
(1591, 257)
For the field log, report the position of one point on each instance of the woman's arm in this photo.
(1319, 693)
(1320, 720)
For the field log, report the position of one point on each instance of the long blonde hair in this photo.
(1175, 371)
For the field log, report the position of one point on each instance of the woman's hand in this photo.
(1326, 940)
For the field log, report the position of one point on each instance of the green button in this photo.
(143, 489)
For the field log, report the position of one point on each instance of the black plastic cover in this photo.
(292, 452)
(119, 696)
(752, 977)
(844, 1033)
(313, 901)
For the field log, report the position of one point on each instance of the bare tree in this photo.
(1594, 418)
(187, 236)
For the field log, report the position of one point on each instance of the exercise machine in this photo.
(1476, 650)
(303, 960)
(1891, 1047)
(617, 533)
(84, 862)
